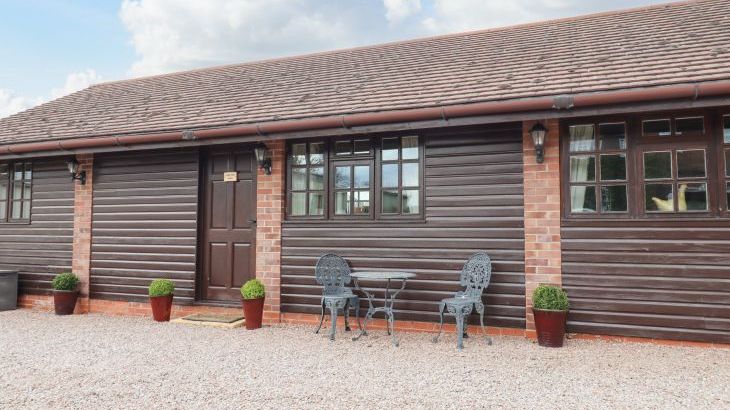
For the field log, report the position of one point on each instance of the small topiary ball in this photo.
(549, 297)
(161, 287)
(253, 289)
(65, 281)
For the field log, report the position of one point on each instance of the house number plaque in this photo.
(230, 177)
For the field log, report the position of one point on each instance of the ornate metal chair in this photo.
(333, 273)
(475, 276)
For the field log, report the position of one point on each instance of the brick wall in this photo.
(542, 214)
(270, 208)
(81, 262)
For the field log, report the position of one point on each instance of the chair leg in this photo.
(442, 306)
(333, 315)
(321, 318)
(357, 312)
(347, 315)
(459, 329)
(480, 309)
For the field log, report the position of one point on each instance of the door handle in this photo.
(252, 221)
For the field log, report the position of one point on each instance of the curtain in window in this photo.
(579, 172)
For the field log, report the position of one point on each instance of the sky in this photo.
(51, 48)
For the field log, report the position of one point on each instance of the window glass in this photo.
(410, 147)
(343, 147)
(298, 203)
(582, 138)
(613, 198)
(342, 202)
(582, 168)
(316, 178)
(362, 203)
(726, 128)
(410, 174)
(316, 203)
(691, 164)
(613, 136)
(410, 201)
(362, 146)
(390, 176)
(26, 190)
(692, 125)
(657, 165)
(16, 210)
(362, 176)
(613, 167)
(727, 162)
(299, 179)
(692, 197)
(583, 199)
(657, 127)
(659, 198)
(299, 154)
(316, 153)
(390, 201)
(727, 192)
(390, 149)
(342, 177)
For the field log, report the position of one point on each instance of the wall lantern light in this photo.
(538, 133)
(73, 168)
(263, 157)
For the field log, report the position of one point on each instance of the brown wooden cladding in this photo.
(144, 223)
(473, 202)
(42, 248)
(660, 279)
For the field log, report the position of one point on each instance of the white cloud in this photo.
(397, 10)
(12, 103)
(172, 35)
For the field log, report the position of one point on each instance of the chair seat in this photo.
(342, 294)
(458, 301)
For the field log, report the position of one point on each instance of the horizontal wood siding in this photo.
(144, 223)
(43, 248)
(649, 278)
(474, 202)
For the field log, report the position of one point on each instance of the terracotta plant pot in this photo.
(161, 307)
(253, 312)
(550, 326)
(64, 301)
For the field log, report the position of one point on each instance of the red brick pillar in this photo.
(270, 208)
(542, 214)
(81, 262)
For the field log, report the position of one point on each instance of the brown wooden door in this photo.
(229, 223)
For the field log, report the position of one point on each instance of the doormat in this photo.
(210, 320)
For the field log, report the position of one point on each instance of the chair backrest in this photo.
(475, 274)
(332, 272)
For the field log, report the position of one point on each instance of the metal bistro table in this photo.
(388, 298)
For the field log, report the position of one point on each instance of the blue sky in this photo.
(50, 48)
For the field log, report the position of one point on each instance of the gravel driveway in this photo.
(92, 361)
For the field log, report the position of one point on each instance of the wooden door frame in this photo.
(203, 169)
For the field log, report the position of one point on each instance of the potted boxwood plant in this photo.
(550, 309)
(161, 292)
(65, 293)
(253, 293)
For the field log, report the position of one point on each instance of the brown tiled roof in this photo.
(653, 46)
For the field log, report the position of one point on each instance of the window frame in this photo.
(9, 188)
(374, 159)
(723, 168)
(379, 186)
(307, 191)
(637, 142)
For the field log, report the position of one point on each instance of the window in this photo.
(307, 179)
(663, 166)
(15, 191)
(358, 178)
(400, 176)
(597, 168)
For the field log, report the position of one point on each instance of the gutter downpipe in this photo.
(684, 91)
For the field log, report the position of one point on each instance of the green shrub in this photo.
(548, 297)
(65, 281)
(253, 289)
(161, 287)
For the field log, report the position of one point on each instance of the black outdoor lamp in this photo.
(538, 133)
(263, 157)
(73, 168)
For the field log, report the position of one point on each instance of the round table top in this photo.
(383, 275)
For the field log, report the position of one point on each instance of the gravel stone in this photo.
(92, 361)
